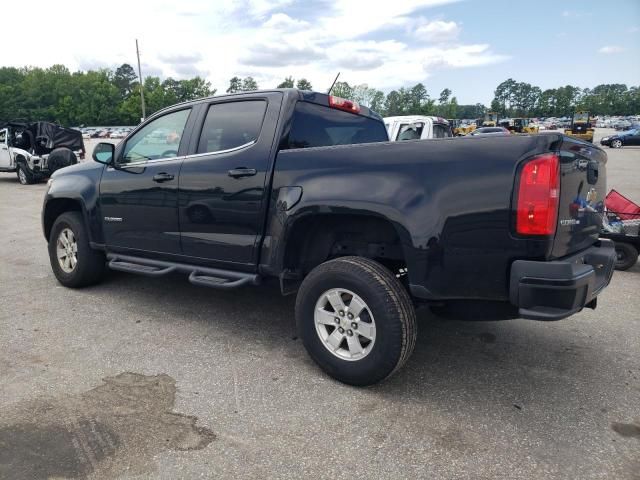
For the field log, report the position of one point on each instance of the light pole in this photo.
(141, 83)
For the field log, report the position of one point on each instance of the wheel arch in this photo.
(56, 207)
(315, 238)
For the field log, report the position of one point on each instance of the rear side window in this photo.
(441, 131)
(231, 125)
(410, 131)
(318, 126)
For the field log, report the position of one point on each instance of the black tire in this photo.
(90, 266)
(627, 255)
(60, 158)
(25, 177)
(389, 303)
(616, 144)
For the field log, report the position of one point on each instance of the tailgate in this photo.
(583, 187)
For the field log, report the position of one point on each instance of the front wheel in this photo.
(74, 263)
(616, 143)
(25, 177)
(626, 255)
(356, 320)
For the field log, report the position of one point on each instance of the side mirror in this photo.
(104, 153)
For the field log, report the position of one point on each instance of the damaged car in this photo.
(35, 150)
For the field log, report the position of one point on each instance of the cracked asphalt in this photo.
(156, 378)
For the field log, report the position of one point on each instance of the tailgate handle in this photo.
(592, 173)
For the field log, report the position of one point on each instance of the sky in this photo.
(468, 46)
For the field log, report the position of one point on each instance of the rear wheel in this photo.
(74, 263)
(356, 320)
(627, 256)
(617, 143)
(25, 177)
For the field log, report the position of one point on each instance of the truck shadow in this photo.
(515, 360)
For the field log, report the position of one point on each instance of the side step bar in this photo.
(203, 276)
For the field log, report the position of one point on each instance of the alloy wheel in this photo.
(345, 325)
(67, 250)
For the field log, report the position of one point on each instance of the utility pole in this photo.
(141, 83)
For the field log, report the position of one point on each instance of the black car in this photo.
(628, 137)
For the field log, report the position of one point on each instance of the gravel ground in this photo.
(156, 378)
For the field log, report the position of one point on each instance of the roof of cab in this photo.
(304, 95)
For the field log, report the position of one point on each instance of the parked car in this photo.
(488, 131)
(305, 189)
(622, 125)
(36, 150)
(417, 127)
(618, 140)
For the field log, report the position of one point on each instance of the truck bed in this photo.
(450, 200)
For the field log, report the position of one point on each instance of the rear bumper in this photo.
(557, 289)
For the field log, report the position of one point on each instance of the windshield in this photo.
(581, 117)
(633, 131)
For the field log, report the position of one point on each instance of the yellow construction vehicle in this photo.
(581, 127)
(467, 128)
(457, 127)
(490, 120)
(523, 125)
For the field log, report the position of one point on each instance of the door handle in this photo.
(162, 177)
(242, 172)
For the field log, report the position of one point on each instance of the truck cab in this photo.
(490, 120)
(417, 127)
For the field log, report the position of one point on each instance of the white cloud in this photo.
(282, 21)
(266, 39)
(461, 56)
(609, 49)
(438, 31)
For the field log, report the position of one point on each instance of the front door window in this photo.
(158, 139)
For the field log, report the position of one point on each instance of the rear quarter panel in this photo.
(448, 199)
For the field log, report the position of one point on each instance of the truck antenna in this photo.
(332, 85)
(141, 83)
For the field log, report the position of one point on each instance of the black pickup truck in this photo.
(305, 188)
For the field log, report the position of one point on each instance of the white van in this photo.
(416, 127)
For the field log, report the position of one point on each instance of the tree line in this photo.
(521, 99)
(94, 97)
(112, 97)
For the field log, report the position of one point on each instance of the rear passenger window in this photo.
(318, 126)
(231, 125)
(441, 131)
(410, 131)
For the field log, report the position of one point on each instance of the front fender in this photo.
(81, 184)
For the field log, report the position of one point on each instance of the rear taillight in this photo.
(343, 104)
(538, 196)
